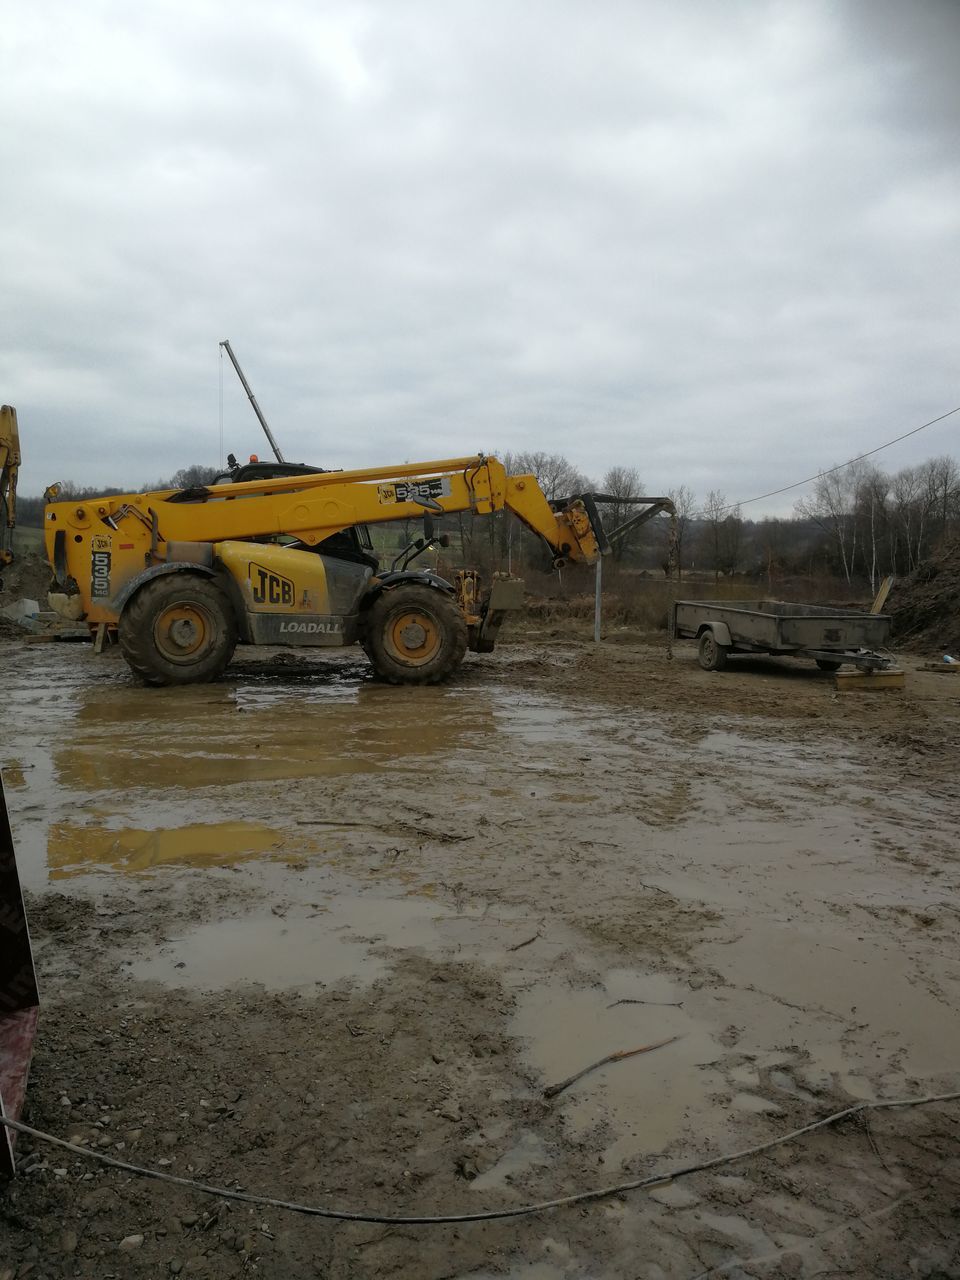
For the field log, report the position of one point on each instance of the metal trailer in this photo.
(831, 637)
(19, 1000)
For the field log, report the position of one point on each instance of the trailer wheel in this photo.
(178, 629)
(711, 655)
(415, 635)
(828, 664)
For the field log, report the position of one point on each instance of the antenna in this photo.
(253, 400)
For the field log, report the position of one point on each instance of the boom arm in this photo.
(313, 507)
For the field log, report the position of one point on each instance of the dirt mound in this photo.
(28, 578)
(925, 607)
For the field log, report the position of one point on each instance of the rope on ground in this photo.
(489, 1215)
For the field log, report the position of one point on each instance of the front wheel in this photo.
(178, 629)
(415, 635)
(712, 655)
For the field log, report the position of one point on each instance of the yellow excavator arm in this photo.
(315, 506)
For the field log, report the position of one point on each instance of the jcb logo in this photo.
(269, 588)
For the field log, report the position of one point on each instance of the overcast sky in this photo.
(719, 242)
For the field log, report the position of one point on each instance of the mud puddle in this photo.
(74, 849)
(644, 1098)
(344, 936)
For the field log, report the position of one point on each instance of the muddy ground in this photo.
(317, 937)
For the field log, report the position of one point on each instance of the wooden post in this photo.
(597, 603)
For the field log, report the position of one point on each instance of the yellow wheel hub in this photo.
(413, 637)
(183, 631)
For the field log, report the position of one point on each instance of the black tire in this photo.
(178, 629)
(415, 635)
(711, 655)
(828, 664)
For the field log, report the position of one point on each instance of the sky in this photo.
(718, 242)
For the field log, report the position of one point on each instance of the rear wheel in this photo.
(828, 664)
(712, 656)
(415, 635)
(178, 629)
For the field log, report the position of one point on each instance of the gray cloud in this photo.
(715, 242)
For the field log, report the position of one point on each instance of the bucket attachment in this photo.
(19, 999)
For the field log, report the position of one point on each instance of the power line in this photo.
(744, 502)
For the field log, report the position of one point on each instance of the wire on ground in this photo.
(523, 1211)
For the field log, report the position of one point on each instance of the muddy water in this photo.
(628, 876)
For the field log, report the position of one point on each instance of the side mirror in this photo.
(444, 539)
(427, 526)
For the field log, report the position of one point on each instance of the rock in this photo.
(130, 1242)
(189, 1219)
(176, 1266)
(68, 1242)
(674, 1196)
(451, 1110)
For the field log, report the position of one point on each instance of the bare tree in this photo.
(556, 475)
(942, 485)
(714, 510)
(621, 484)
(684, 504)
(908, 507)
(875, 502)
(833, 507)
(731, 540)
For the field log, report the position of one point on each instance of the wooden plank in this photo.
(942, 668)
(881, 599)
(869, 681)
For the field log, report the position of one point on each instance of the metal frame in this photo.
(654, 506)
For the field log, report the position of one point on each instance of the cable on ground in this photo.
(489, 1215)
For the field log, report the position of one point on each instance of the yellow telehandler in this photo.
(280, 554)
